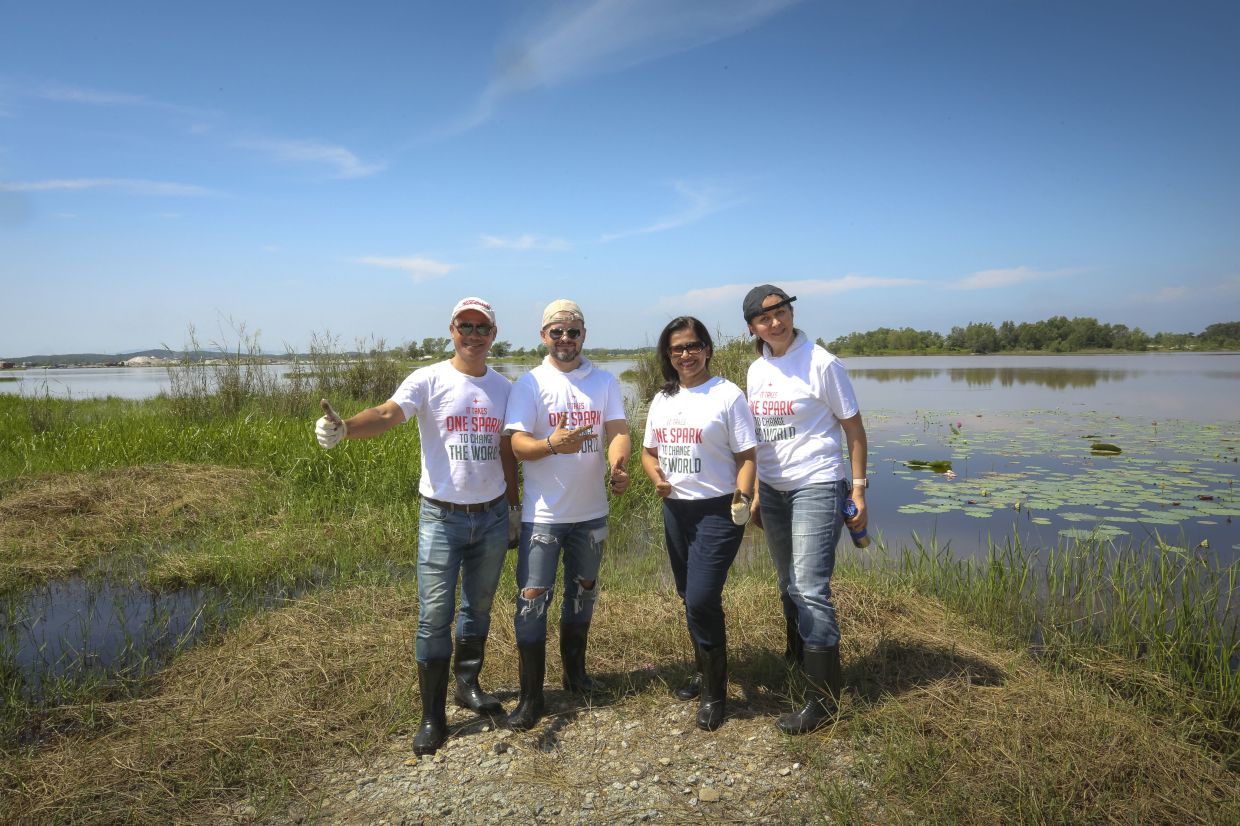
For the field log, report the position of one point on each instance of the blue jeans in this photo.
(537, 558)
(451, 543)
(803, 527)
(702, 543)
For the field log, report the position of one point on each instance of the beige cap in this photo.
(562, 310)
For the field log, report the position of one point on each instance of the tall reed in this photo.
(1156, 624)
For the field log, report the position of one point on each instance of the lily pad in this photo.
(935, 465)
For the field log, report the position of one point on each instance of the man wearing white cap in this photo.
(470, 513)
(555, 416)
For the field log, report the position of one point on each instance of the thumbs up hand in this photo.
(330, 428)
(619, 478)
(662, 487)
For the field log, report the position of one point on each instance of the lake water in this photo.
(1018, 432)
(1198, 386)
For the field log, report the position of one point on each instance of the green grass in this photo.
(1041, 685)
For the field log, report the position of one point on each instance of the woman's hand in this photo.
(650, 464)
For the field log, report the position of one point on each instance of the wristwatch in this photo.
(861, 483)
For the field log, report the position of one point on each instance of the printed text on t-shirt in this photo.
(478, 439)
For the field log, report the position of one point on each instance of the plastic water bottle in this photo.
(849, 508)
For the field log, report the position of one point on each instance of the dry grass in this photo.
(970, 730)
(55, 525)
(953, 726)
(249, 714)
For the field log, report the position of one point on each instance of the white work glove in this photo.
(740, 508)
(514, 526)
(330, 428)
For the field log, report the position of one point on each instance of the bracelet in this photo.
(550, 446)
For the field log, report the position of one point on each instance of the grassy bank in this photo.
(1041, 685)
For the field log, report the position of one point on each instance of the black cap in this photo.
(753, 301)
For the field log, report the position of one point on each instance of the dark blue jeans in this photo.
(702, 543)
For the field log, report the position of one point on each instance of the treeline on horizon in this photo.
(1058, 334)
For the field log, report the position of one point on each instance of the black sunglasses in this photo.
(691, 348)
(557, 333)
(467, 328)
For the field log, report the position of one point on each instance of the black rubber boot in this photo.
(433, 685)
(468, 693)
(692, 689)
(794, 646)
(530, 705)
(824, 682)
(714, 701)
(573, 638)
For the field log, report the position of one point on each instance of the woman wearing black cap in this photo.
(804, 410)
(699, 453)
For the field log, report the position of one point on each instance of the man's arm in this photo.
(562, 440)
(330, 428)
(374, 421)
(509, 462)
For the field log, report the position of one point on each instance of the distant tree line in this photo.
(434, 347)
(1054, 335)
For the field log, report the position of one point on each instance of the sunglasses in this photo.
(691, 348)
(468, 328)
(557, 333)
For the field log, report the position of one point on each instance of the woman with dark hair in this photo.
(699, 453)
(804, 410)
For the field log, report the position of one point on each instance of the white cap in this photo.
(472, 303)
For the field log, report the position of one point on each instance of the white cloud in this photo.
(995, 279)
(1217, 294)
(702, 200)
(62, 93)
(418, 268)
(344, 163)
(94, 97)
(134, 186)
(816, 286)
(525, 243)
(603, 36)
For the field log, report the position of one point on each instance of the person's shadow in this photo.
(769, 685)
(565, 707)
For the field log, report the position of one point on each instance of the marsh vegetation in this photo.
(1091, 678)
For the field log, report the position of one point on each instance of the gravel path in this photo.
(639, 760)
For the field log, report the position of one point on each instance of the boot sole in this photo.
(486, 711)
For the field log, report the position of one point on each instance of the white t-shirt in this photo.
(568, 487)
(697, 431)
(798, 400)
(460, 419)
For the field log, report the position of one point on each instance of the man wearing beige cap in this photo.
(562, 416)
(469, 514)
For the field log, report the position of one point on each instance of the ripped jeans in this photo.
(537, 558)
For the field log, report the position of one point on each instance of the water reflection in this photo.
(1052, 378)
(75, 628)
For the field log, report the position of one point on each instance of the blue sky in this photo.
(354, 169)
